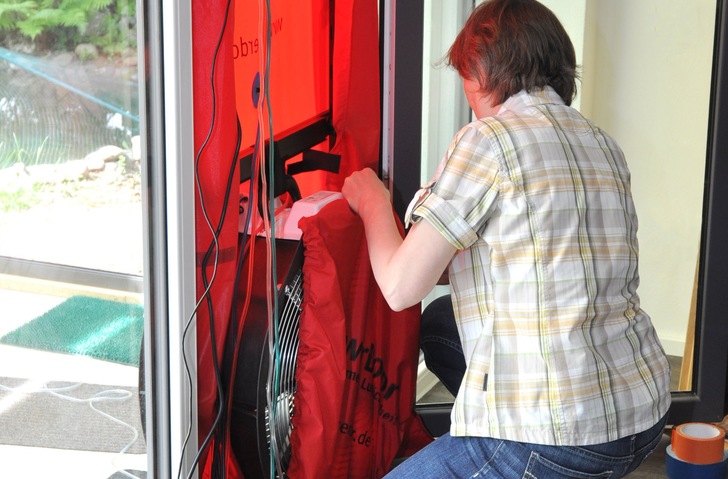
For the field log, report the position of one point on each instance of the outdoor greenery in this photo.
(18, 199)
(18, 154)
(48, 29)
(64, 24)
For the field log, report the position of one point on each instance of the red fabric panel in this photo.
(213, 169)
(357, 359)
(356, 96)
(298, 75)
(356, 118)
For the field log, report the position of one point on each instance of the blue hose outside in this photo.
(23, 63)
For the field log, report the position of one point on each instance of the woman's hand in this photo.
(405, 269)
(363, 188)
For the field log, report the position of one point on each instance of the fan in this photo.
(250, 416)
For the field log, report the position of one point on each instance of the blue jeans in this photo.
(482, 457)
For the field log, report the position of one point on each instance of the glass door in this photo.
(97, 253)
(72, 249)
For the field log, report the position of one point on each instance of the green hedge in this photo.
(63, 24)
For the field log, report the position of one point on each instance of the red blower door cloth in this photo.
(357, 360)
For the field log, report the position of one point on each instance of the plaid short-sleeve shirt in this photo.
(537, 201)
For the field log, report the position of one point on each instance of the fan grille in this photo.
(283, 384)
(263, 397)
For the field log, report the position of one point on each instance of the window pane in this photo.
(71, 243)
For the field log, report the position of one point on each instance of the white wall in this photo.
(647, 83)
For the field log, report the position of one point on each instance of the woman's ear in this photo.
(479, 100)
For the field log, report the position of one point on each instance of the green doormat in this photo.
(99, 328)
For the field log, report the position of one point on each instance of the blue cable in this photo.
(24, 63)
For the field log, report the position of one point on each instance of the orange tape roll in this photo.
(698, 443)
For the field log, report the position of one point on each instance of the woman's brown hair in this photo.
(514, 45)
